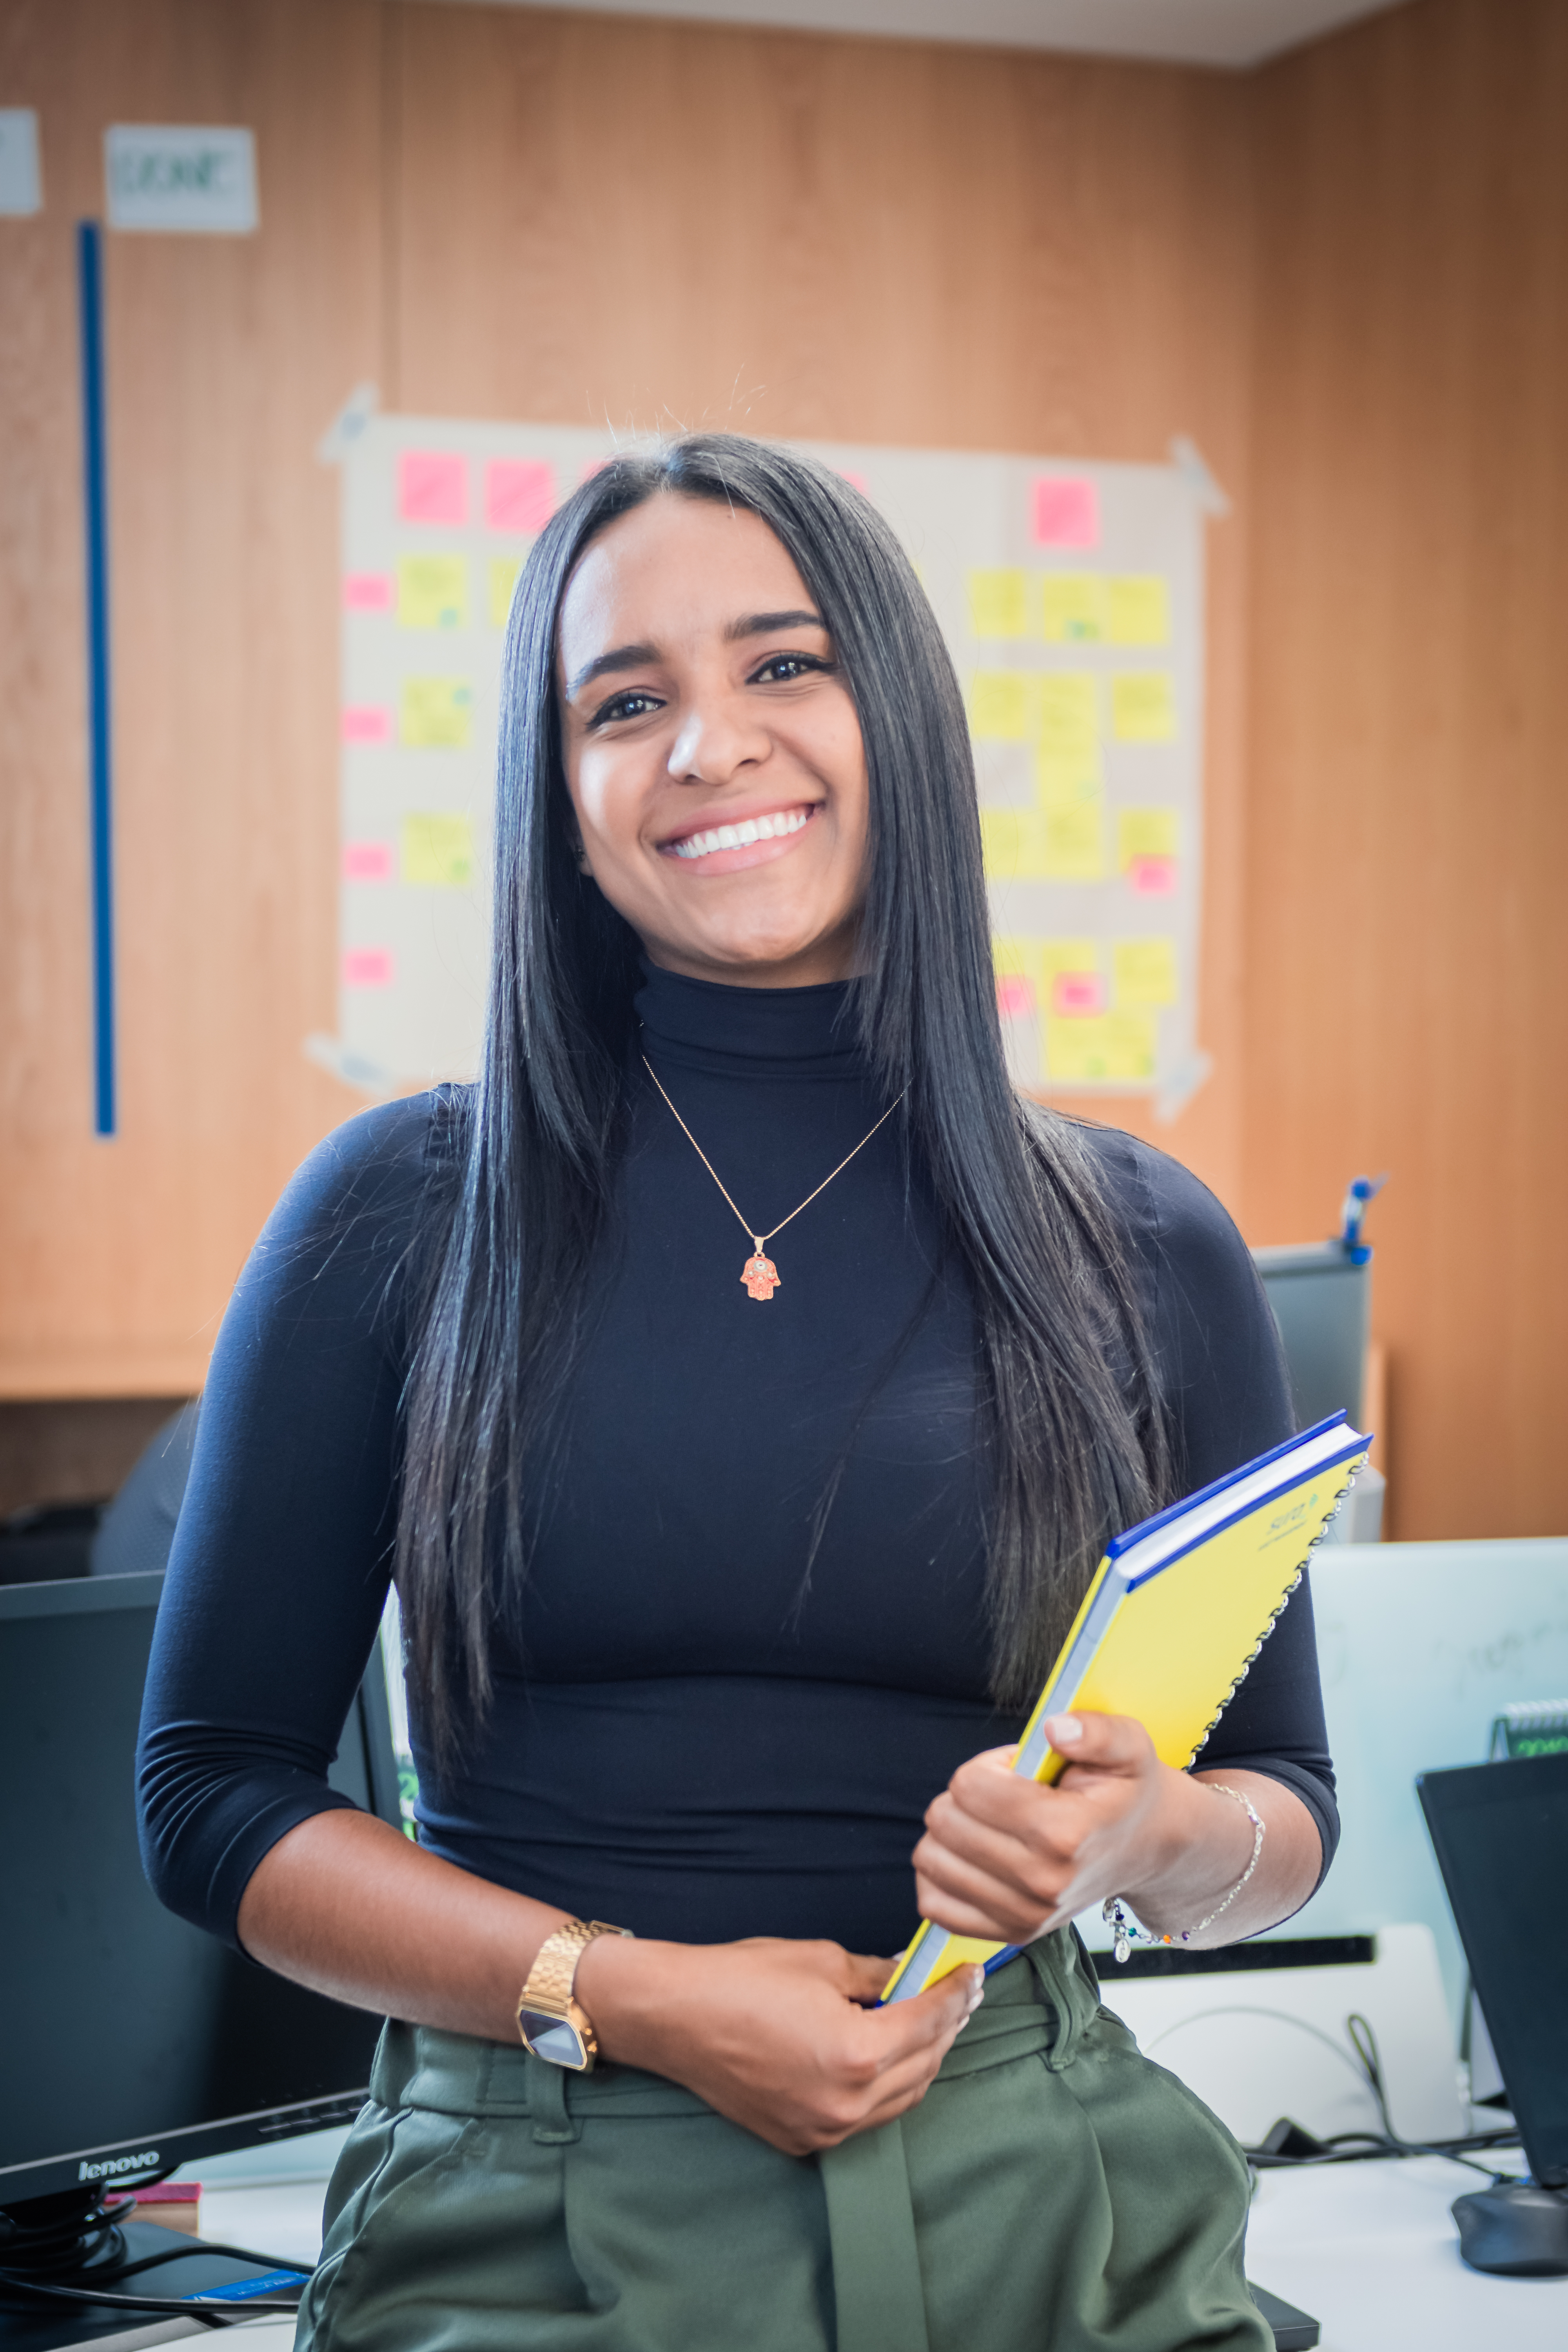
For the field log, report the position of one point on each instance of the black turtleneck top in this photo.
(700, 1730)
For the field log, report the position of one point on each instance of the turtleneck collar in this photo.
(758, 1031)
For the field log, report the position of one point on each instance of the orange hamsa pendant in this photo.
(760, 1275)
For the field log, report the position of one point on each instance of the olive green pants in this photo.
(1054, 2192)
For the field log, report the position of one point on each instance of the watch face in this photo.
(555, 2038)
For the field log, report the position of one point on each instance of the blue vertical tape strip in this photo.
(95, 483)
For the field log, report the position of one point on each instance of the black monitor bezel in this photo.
(126, 2163)
(1463, 1787)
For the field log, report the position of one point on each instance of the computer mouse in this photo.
(1516, 2230)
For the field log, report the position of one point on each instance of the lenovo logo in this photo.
(113, 2165)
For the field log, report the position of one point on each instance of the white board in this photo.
(1072, 598)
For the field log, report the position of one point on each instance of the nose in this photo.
(717, 737)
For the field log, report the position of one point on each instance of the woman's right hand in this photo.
(779, 2036)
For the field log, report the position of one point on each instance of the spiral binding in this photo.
(1356, 1470)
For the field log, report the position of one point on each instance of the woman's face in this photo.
(712, 752)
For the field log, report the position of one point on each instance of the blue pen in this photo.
(1363, 1189)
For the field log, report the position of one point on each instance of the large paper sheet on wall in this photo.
(1072, 598)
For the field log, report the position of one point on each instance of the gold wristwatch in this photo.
(553, 2025)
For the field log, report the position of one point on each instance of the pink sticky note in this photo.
(1015, 997)
(367, 861)
(855, 481)
(367, 967)
(519, 495)
(1078, 991)
(1067, 511)
(1155, 878)
(589, 467)
(367, 592)
(366, 722)
(432, 486)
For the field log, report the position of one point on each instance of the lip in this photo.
(751, 853)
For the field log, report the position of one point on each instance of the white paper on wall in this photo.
(1071, 595)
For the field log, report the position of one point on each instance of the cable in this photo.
(1358, 2146)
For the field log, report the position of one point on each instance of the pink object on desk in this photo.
(366, 722)
(1153, 877)
(367, 968)
(520, 494)
(1067, 510)
(432, 486)
(367, 592)
(1078, 992)
(367, 861)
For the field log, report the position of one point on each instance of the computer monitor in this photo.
(1500, 1835)
(136, 2042)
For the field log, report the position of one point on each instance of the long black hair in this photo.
(1070, 1418)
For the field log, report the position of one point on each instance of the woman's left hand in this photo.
(1008, 1859)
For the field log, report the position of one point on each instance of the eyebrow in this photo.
(750, 624)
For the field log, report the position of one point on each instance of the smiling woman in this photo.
(719, 1623)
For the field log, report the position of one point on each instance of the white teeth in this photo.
(740, 836)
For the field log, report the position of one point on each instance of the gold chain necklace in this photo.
(759, 1273)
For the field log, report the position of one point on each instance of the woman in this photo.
(725, 1557)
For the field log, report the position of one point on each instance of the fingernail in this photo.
(963, 2022)
(1064, 1731)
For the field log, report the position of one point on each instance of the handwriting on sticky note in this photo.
(1138, 610)
(1068, 715)
(368, 967)
(999, 603)
(1152, 877)
(1115, 1048)
(1142, 832)
(367, 861)
(365, 722)
(436, 713)
(367, 592)
(432, 592)
(1065, 511)
(503, 571)
(1074, 608)
(1074, 842)
(438, 849)
(1143, 707)
(520, 494)
(1001, 705)
(1145, 972)
(432, 486)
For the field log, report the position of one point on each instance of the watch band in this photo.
(548, 1990)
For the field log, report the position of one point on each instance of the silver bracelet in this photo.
(1127, 1932)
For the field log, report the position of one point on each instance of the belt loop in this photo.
(876, 2291)
(1069, 1989)
(552, 2125)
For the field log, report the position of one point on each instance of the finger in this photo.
(865, 1977)
(1042, 1831)
(908, 2028)
(979, 1907)
(1112, 1742)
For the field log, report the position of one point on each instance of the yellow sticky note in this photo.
(1074, 842)
(1143, 707)
(1138, 610)
(432, 592)
(503, 571)
(1075, 608)
(438, 849)
(999, 603)
(436, 713)
(1059, 955)
(1145, 972)
(1014, 845)
(1145, 832)
(1070, 714)
(1061, 780)
(1118, 1047)
(1000, 706)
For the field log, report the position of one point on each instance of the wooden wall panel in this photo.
(226, 357)
(1407, 954)
(660, 224)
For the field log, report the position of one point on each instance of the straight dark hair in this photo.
(1072, 1422)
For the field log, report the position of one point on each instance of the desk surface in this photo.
(1369, 2249)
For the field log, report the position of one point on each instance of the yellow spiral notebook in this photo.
(1178, 1608)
